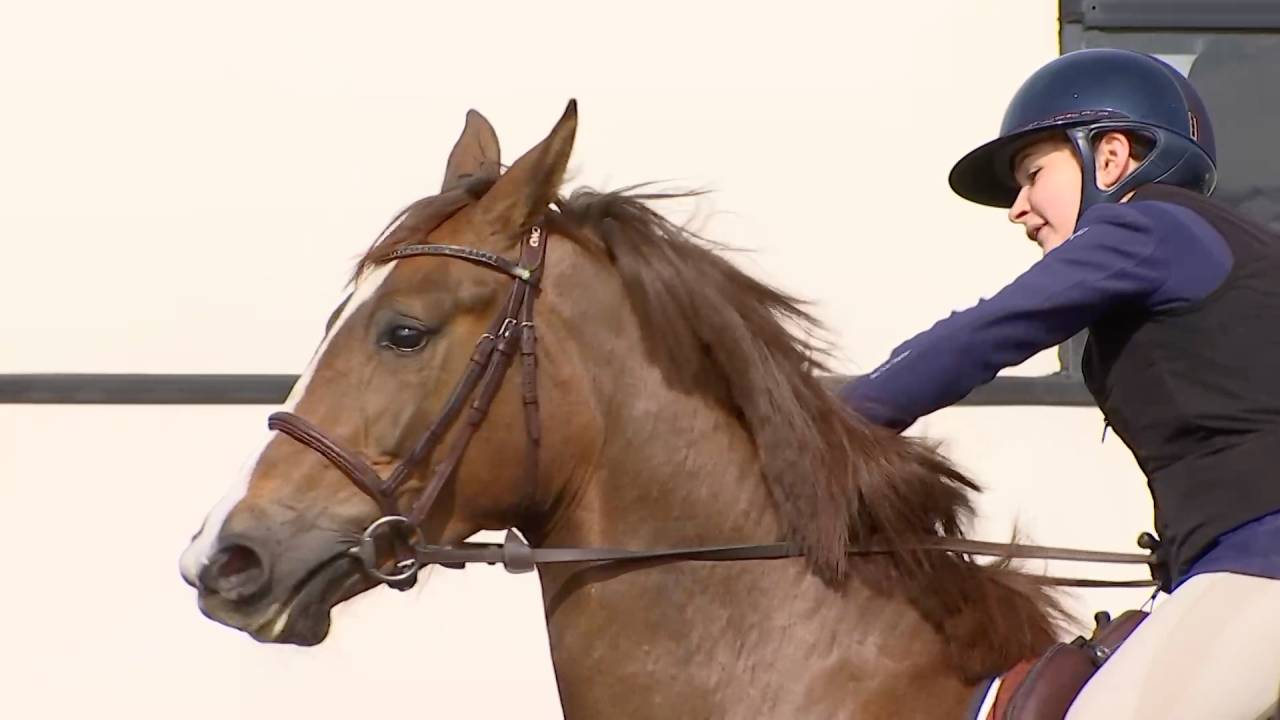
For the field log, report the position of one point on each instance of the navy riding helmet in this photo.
(1084, 94)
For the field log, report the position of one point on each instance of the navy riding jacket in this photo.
(1120, 254)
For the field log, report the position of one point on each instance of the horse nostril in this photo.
(236, 572)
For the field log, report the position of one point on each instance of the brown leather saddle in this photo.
(1043, 688)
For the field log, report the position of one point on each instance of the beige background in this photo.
(183, 188)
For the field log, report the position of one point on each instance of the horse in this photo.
(670, 400)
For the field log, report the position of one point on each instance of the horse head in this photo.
(274, 556)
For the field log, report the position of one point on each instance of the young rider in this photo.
(1106, 158)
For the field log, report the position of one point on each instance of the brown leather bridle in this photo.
(490, 360)
(512, 330)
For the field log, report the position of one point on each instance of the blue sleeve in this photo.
(1112, 258)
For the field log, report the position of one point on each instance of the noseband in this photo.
(493, 355)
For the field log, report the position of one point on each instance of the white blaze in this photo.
(202, 545)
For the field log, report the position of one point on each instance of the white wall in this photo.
(183, 188)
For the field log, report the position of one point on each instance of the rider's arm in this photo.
(1120, 254)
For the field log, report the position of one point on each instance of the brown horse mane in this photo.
(836, 479)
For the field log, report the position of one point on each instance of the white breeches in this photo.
(1209, 651)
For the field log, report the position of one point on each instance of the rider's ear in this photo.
(523, 193)
(475, 156)
(1111, 159)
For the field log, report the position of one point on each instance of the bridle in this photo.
(512, 331)
(490, 360)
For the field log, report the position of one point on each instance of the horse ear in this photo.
(531, 184)
(475, 155)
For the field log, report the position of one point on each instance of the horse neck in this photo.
(648, 466)
(688, 639)
(670, 470)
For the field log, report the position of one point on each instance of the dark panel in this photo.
(1173, 14)
(273, 389)
(1239, 77)
(1237, 73)
(1071, 353)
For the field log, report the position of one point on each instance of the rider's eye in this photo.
(406, 338)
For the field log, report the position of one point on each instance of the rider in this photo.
(1106, 158)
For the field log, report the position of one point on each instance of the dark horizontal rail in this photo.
(141, 389)
(1061, 389)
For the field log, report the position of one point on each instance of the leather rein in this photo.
(512, 332)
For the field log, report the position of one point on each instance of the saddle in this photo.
(1044, 687)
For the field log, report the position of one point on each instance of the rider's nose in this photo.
(1020, 208)
(236, 571)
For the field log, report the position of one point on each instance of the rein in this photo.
(516, 556)
(511, 331)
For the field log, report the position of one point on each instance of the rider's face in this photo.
(1047, 206)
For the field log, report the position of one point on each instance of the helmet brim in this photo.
(985, 176)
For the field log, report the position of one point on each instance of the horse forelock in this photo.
(416, 221)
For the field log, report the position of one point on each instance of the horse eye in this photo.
(406, 338)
